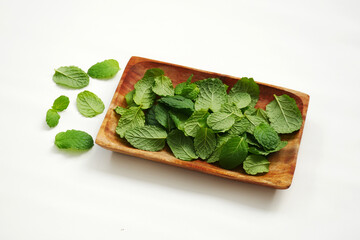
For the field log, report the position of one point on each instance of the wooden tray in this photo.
(282, 165)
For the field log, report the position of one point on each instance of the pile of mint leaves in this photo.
(87, 103)
(206, 120)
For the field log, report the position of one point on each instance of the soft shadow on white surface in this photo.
(68, 153)
(187, 180)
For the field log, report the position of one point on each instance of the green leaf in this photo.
(233, 152)
(181, 146)
(212, 95)
(261, 151)
(240, 127)
(150, 118)
(179, 119)
(205, 142)
(284, 114)
(220, 122)
(104, 70)
(144, 96)
(163, 86)
(120, 110)
(221, 140)
(61, 103)
(240, 99)
(178, 102)
(246, 85)
(129, 97)
(88, 104)
(254, 121)
(262, 114)
(255, 164)
(71, 77)
(74, 139)
(251, 140)
(163, 117)
(266, 136)
(52, 118)
(149, 138)
(191, 125)
(134, 117)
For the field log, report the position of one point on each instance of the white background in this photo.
(309, 46)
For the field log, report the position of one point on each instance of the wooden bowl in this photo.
(282, 165)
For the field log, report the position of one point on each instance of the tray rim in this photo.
(104, 142)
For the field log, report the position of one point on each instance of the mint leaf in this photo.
(246, 85)
(71, 77)
(163, 86)
(181, 146)
(284, 114)
(240, 127)
(52, 118)
(74, 139)
(262, 114)
(150, 118)
(266, 136)
(120, 110)
(254, 121)
(221, 140)
(61, 103)
(134, 117)
(234, 110)
(163, 117)
(220, 122)
(192, 125)
(129, 98)
(179, 119)
(144, 96)
(88, 104)
(212, 95)
(255, 164)
(187, 89)
(261, 151)
(104, 70)
(178, 102)
(205, 142)
(233, 152)
(240, 99)
(149, 138)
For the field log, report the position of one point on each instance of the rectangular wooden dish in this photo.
(282, 165)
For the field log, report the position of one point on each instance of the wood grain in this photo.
(282, 165)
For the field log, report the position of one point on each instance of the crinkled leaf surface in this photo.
(104, 70)
(149, 138)
(192, 125)
(179, 119)
(284, 114)
(52, 118)
(74, 139)
(132, 118)
(266, 136)
(163, 86)
(220, 121)
(212, 95)
(178, 102)
(88, 104)
(71, 77)
(181, 145)
(255, 164)
(120, 110)
(240, 99)
(246, 85)
(205, 142)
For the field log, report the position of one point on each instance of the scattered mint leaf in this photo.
(181, 145)
(246, 85)
(192, 125)
(71, 77)
(134, 117)
(88, 104)
(52, 118)
(144, 96)
(233, 152)
(212, 95)
(178, 102)
(104, 70)
(255, 164)
(74, 139)
(205, 142)
(284, 114)
(149, 138)
(220, 122)
(163, 86)
(266, 136)
(61, 103)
